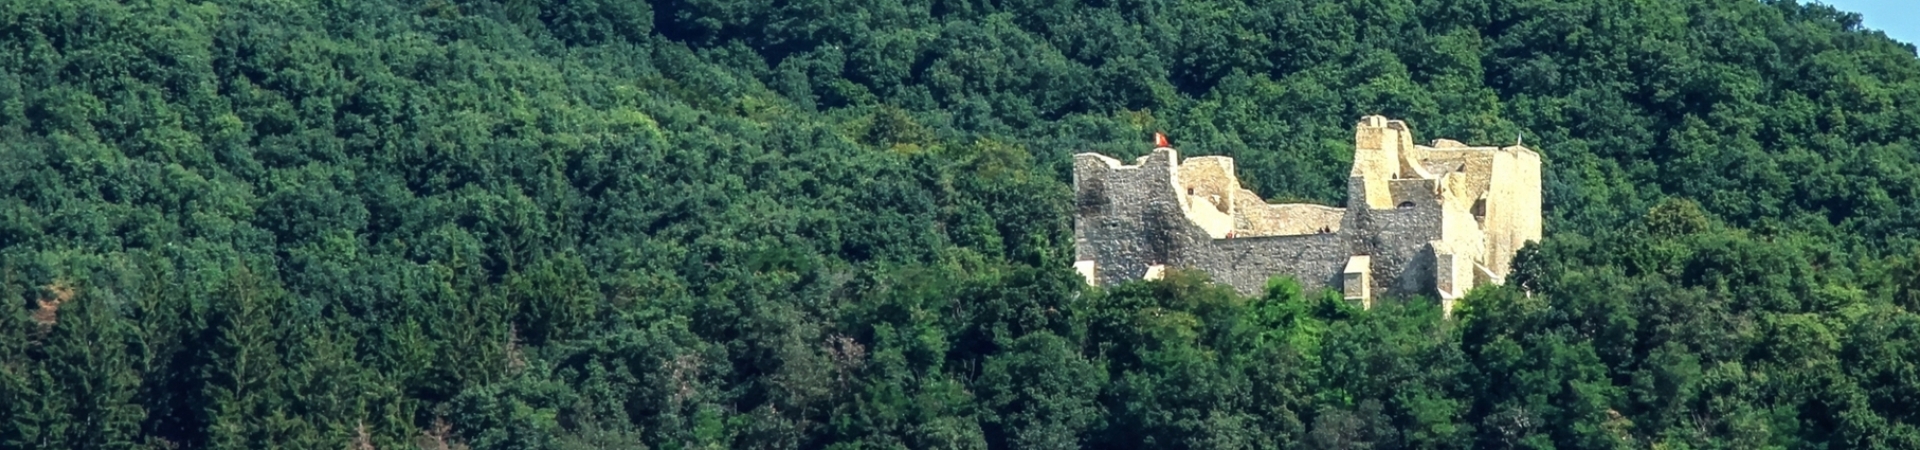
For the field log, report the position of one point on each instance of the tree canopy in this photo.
(846, 224)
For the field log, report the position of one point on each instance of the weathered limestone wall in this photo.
(1502, 205)
(1210, 177)
(1085, 268)
(1474, 162)
(1315, 260)
(1420, 221)
(1254, 217)
(1376, 160)
(1513, 205)
(1396, 239)
(1453, 275)
(1356, 281)
(1403, 234)
(1287, 219)
(1528, 210)
(1458, 226)
(1202, 211)
(1209, 186)
(1410, 155)
(1507, 181)
(1130, 225)
(1446, 267)
(1130, 217)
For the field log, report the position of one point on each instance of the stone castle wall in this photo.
(1397, 238)
(1420, 220)
(1247, 263)
(1130, 217)
(1261, 219)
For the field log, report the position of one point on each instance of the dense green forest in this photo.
(845, 224)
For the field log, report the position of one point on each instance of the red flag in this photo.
(1160, 140)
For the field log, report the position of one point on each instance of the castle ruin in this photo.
(1420, 219)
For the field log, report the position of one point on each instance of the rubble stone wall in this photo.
(1427, 220)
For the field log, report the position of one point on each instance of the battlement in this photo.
(1420, 219)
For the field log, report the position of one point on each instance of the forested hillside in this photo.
(679, 224)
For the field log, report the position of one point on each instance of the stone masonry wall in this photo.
(1396, 238)
(1111, 203)
(1514, 199)
(1426, 220)
(1212, 178)
(1315, 260)
(1261, 219)
(1130, 220)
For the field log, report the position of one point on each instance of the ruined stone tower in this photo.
(1420, 219)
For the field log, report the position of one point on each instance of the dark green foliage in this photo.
(683, 224)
